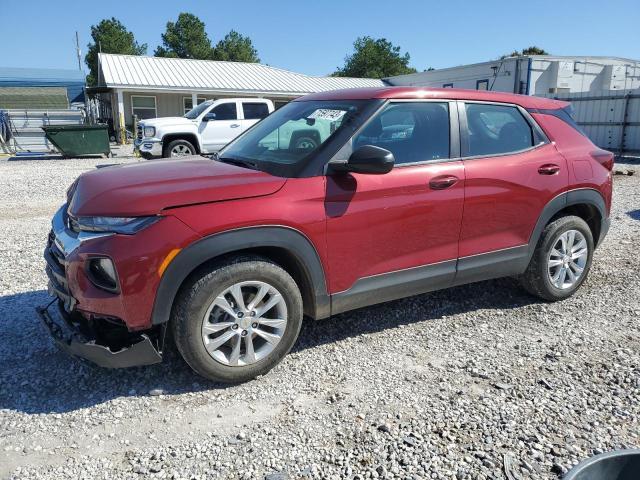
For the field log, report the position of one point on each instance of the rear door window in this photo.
(255, 111)
(496, 129)
(412, 131)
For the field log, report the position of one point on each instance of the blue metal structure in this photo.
(72, 80)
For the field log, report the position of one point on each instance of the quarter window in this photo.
(496, 129)
(253, 111)
(413, 132)
(225, 111)
(143, 106)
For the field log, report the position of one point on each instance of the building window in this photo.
(482, 85)
(447, 85)
(143, 106)
(187, 103)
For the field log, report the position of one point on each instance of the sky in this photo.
(313, 37)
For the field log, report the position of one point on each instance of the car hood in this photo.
(148, 188)
(167, 121)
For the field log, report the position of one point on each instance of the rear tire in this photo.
(202, 318)
(178, 148)
(561, 260)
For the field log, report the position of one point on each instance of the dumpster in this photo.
(79, 140)
(616, 465)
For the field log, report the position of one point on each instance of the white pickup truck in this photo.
(205, 129)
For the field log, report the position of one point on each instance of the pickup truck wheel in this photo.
(178, 148)
(236, 320)
(561, 260)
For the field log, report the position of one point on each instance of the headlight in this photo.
(123, 225)
(149, 131)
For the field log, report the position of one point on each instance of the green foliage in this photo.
(185, 38)
(112, 37)
(374, 58)
(235, 47)
(533, 50)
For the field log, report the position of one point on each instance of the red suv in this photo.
(334, 202)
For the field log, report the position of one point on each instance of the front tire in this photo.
(236, 320)
(178, 148)
(561, 260)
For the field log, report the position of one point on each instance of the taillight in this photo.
(604, 158)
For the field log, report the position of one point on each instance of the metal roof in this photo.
(156, 73)
(11, 76)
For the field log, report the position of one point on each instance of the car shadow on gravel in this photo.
(36, 377)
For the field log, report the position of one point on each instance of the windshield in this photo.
(195, 112)
(289, 136)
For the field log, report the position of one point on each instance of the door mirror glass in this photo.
(366, 159)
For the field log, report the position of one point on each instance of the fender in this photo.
(579, 196)
(218, 244)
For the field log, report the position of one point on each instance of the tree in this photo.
(185, 38)
(374, 58)
(533, 50)
(235, 47)
(110, 36)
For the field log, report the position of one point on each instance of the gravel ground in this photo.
(475, 382)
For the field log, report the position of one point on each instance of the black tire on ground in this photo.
(166, 151)
(536, 278)
(199, 292)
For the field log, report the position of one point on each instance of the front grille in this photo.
(139, 132)
(56, 271)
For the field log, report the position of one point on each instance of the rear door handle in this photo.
(234, 125)
(548, 169)
(442, 182)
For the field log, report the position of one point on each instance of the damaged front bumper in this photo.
(74, 335)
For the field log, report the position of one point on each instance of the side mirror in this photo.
(366, 159)
(208, 117)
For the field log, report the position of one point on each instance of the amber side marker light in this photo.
(167, 260)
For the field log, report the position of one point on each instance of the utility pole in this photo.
(78, 52)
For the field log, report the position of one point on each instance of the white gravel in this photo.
(449, 385)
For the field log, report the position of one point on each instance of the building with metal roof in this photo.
(160, 87)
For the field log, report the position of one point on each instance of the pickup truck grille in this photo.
(56, 271)
(139, 132)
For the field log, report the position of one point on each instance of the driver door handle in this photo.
(442, 182)
(235, 125)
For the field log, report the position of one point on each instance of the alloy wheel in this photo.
(244, 323)
(181, 151)
(567, 259)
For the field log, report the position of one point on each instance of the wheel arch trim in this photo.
(208, 248)
(580, 196)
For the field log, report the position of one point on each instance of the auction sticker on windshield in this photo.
(327, 114)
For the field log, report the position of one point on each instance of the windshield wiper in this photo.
(239, 162)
